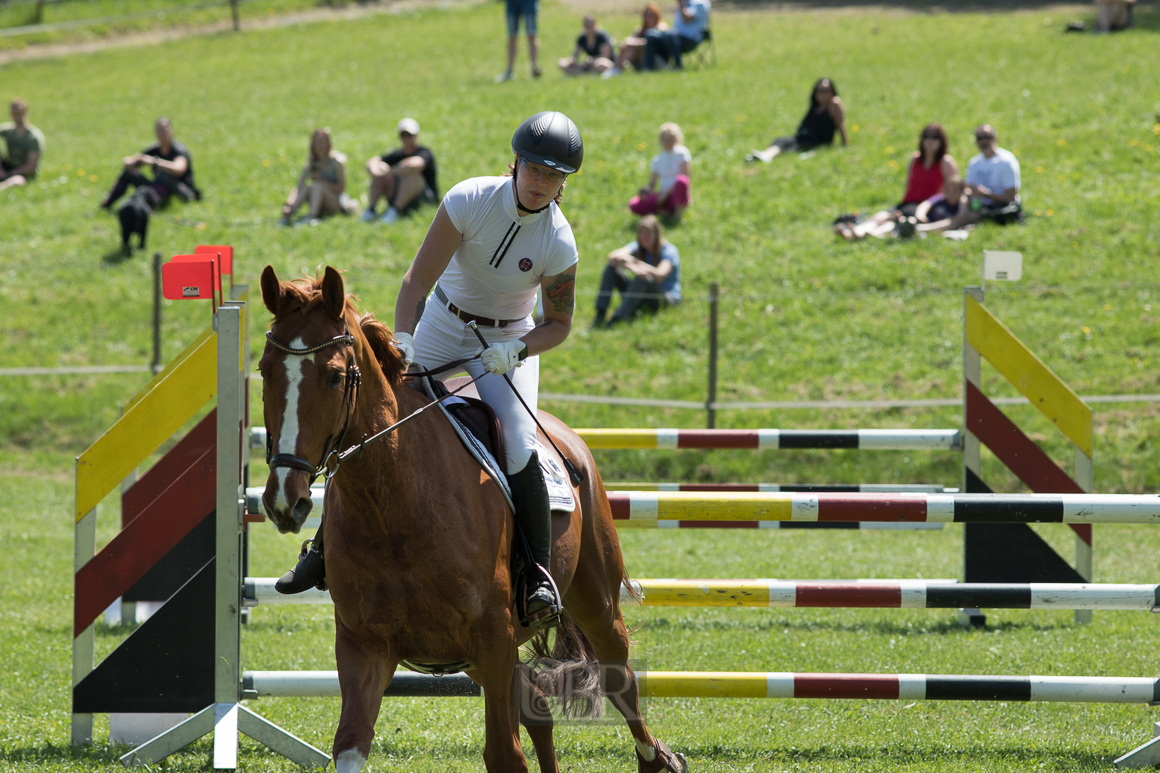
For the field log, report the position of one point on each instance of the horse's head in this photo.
(310, 382)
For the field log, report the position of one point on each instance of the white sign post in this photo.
(1002, 266)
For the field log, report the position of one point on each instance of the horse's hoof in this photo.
(666, 760)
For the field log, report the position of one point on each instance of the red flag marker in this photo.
(225, 253)
(192, 277)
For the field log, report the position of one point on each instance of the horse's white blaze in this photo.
(349, 761)
(288, 435)
(647, 752)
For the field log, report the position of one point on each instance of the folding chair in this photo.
(705, 54)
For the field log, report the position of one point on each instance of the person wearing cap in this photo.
(405, 177)
(495, 243)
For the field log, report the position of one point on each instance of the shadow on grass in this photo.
(52, 754)
(117, 256)
(910, 755)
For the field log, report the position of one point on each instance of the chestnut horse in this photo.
(418, 539)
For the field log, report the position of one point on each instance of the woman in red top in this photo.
(930, 167)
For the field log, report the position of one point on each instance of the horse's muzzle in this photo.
(287, 499)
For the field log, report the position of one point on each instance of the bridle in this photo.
(353, 380)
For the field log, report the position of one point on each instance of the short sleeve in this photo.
(427, 156)
(654, 165)
(459, 202)
(685, 154)
(1011, 174)
(972, 177)
(564, 254)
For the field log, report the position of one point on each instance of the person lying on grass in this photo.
(322, 183)
(646, 272)
(669, 170)
(593, 52)
(930, 216)
(825, 116)
(930, 167)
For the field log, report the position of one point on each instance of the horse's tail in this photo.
(567, 668)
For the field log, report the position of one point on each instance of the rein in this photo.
(349, 398)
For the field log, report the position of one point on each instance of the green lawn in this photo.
(804, 316)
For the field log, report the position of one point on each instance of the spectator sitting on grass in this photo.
(647, 272)
(24, 145)
(632, 48)
(593, 52)
(172, 170)
(929, 168)
(992, 191)
(405, 177)
(322, 183)
(669, 168)
(689, 25)
(826, 115)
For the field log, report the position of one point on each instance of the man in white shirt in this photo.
(688, 30)
(993, 183)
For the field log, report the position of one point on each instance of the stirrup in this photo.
(547, 617)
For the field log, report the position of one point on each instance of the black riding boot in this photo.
(534, 517)
(310, 571)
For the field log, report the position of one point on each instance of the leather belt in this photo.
(463, 315)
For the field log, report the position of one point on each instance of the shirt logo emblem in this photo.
(525, 264)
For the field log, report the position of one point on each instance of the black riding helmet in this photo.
(550, 139)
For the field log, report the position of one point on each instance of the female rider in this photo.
(494, 243)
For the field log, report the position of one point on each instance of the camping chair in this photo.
(705, 54)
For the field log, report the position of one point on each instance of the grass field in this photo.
(803, 317)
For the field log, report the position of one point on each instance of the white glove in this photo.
(502, 357)
(406, 346)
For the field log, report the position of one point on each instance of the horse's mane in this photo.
(306, 293)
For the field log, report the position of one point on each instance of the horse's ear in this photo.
(271, 290)
(333, 297)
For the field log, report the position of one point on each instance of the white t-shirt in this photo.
(495, 272)
(997, 173)
(667, 165)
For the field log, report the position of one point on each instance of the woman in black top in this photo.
(593, 52)
(826, 115)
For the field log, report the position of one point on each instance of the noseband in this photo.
(349, 396)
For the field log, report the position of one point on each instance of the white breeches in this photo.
(441, 337)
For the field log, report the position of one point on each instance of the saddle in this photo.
(474, 415)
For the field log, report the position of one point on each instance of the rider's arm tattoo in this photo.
(543, 323)
(562, 293)
(422, 304)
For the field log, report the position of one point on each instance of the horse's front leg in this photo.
(363, 676)
(495, 671)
